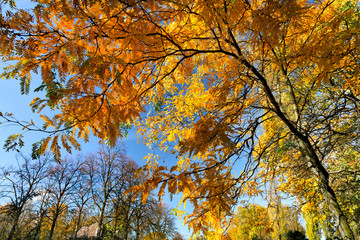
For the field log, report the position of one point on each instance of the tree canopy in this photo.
(242, 92)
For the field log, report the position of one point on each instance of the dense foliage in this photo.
(245, 94)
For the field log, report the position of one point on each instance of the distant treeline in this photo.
(80, 198)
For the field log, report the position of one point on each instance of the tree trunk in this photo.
(53, 224)
(101, 222)
(38, 226)
(77, 227)
(325, 188)
(12, 231)
(137, 229)
(15, 224)
(320, 171)
(308, 150)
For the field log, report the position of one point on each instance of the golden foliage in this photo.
(223, 83)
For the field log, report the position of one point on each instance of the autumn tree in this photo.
(125, 204)
(160, 222)
(122, 213)
(80, 199)
(109, 171)
(251, 222)
(344, 173)
(40, 208)
(226, 85)
(64, 176)
(19, 186)
(255, 222)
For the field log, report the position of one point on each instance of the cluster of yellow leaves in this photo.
(257, 222)
(250, 222)
(62, 226)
